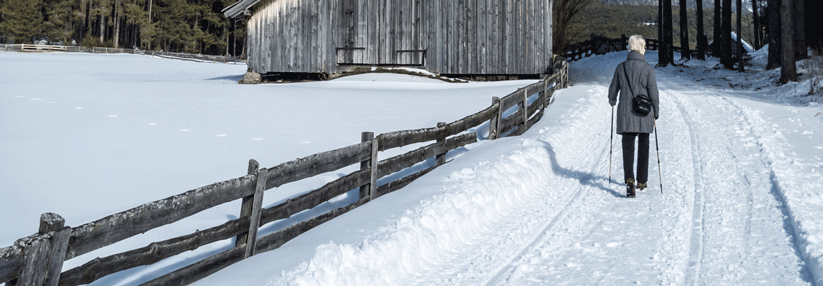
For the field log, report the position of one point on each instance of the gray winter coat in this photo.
(643, 80)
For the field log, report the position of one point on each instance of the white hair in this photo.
(637, 43)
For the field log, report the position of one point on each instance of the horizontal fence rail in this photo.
(104, 50)
(38, 259)
(600, 45)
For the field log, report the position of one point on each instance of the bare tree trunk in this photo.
(739, 36)
(799, 17)
(116, 25)
(669, 30)
(773, 28)
(716, 49)
(102, 27)
(149, 44)
(660, 25)
(701, 44)
(684, 31)
(788, 70)
(226, 32)
(757, 29)
(666, 54)
(726, 35)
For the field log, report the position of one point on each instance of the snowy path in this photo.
(738, 207)
(719, 219)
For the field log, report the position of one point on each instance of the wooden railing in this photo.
(104, 50)
(37, 259)
(600, 45)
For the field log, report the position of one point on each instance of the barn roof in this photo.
(236, 9)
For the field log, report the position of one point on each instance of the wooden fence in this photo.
(600, 45)
(96, 50)
(37, 259)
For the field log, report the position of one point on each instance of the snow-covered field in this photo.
(88, 135)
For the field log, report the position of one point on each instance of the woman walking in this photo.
(634, 78)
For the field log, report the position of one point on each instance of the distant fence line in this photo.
(601, 45)
(104, 50)
(38, 259)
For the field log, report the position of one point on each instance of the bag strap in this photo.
(626, 73)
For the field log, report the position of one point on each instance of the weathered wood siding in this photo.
(443, 36)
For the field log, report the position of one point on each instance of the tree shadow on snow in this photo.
(584, 178)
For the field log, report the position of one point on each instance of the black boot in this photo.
(630, 188)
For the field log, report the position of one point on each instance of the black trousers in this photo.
(642, 156)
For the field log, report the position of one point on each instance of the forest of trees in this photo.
(683, 26)
(191, 26)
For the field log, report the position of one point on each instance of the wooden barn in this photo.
(448, 37)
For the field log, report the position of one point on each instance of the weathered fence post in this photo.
(441, 158)
(494, 125)
(524, 106)
(254, 222)
(365, 165)
(543, 98)
(43, 256)
(247, 205)
(373, 173)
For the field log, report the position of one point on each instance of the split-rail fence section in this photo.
(38, 259)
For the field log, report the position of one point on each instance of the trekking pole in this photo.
(611, 143)
(657, 146)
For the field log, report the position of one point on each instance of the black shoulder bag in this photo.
(641, 103)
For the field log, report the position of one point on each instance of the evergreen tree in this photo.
(59, 24)
(22, 20)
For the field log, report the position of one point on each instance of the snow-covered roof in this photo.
(238, 8)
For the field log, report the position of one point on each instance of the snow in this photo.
(740, 161)
(748, 47)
